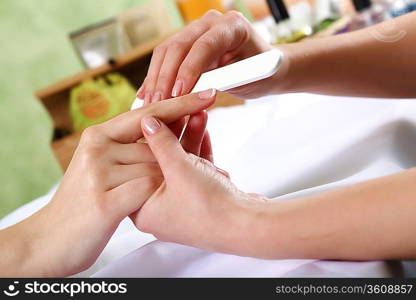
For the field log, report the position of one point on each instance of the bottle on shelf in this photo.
(279, 23)
(326, 12)
(368, 14)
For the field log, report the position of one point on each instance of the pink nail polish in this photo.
(208, 94)
(157, 97)
(177, 88)
(151, 125)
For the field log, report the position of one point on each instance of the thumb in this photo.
(164, 145)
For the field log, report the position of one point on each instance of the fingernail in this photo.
(157, 97)
(177, 88)
(147, 97)
(151, 125)
(139, 91)
(208, 94)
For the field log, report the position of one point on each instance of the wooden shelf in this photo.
(133, 65)
(55, 97)
(119, 62)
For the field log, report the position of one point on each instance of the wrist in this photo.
(260, 229)
(248, 227)
(294, 68)
(22, 254)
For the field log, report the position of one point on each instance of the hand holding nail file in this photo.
(243, 72)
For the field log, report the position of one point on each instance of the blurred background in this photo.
(68, 64)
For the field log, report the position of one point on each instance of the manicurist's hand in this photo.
(109, 178)
(212, 41)
(196, 204)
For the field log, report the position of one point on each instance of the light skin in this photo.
(172, 189)
(198, 206)
(109, 178)
(368, 62)
(370, 220)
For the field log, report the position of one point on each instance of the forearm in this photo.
(370, 220)
(19, 250)
(44, 245)
(368, 62)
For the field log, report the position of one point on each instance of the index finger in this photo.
(126, 127)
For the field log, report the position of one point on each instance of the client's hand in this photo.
(110, 176)
(196, 204)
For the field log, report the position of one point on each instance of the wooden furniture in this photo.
(55, 98)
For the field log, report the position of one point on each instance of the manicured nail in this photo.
(147, 97)
(177, 88)
(208, 94)
(140, 90)
(151, 125)
(157, 97)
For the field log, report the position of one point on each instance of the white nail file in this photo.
(243, 72)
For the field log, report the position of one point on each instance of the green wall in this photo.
(35, 52)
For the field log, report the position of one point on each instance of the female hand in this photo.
(212, 41)
(196, 204)
(109, 178)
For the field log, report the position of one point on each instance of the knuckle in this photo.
(90, 156)
(202, 163)
(177, 45)
(234, 16)
(206, 42)
(91, 134)
(212, 13)
(159, 49)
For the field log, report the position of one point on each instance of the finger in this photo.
(174, 51)
(177, 49)
(206, 148)
(140, 91)
(177, 127)
(194, 133)
(158, 56)
(120, 174)
(132, 194)
(126, 128)
(165, 147)
(133, 153)
(207, 51)
(211, 165)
